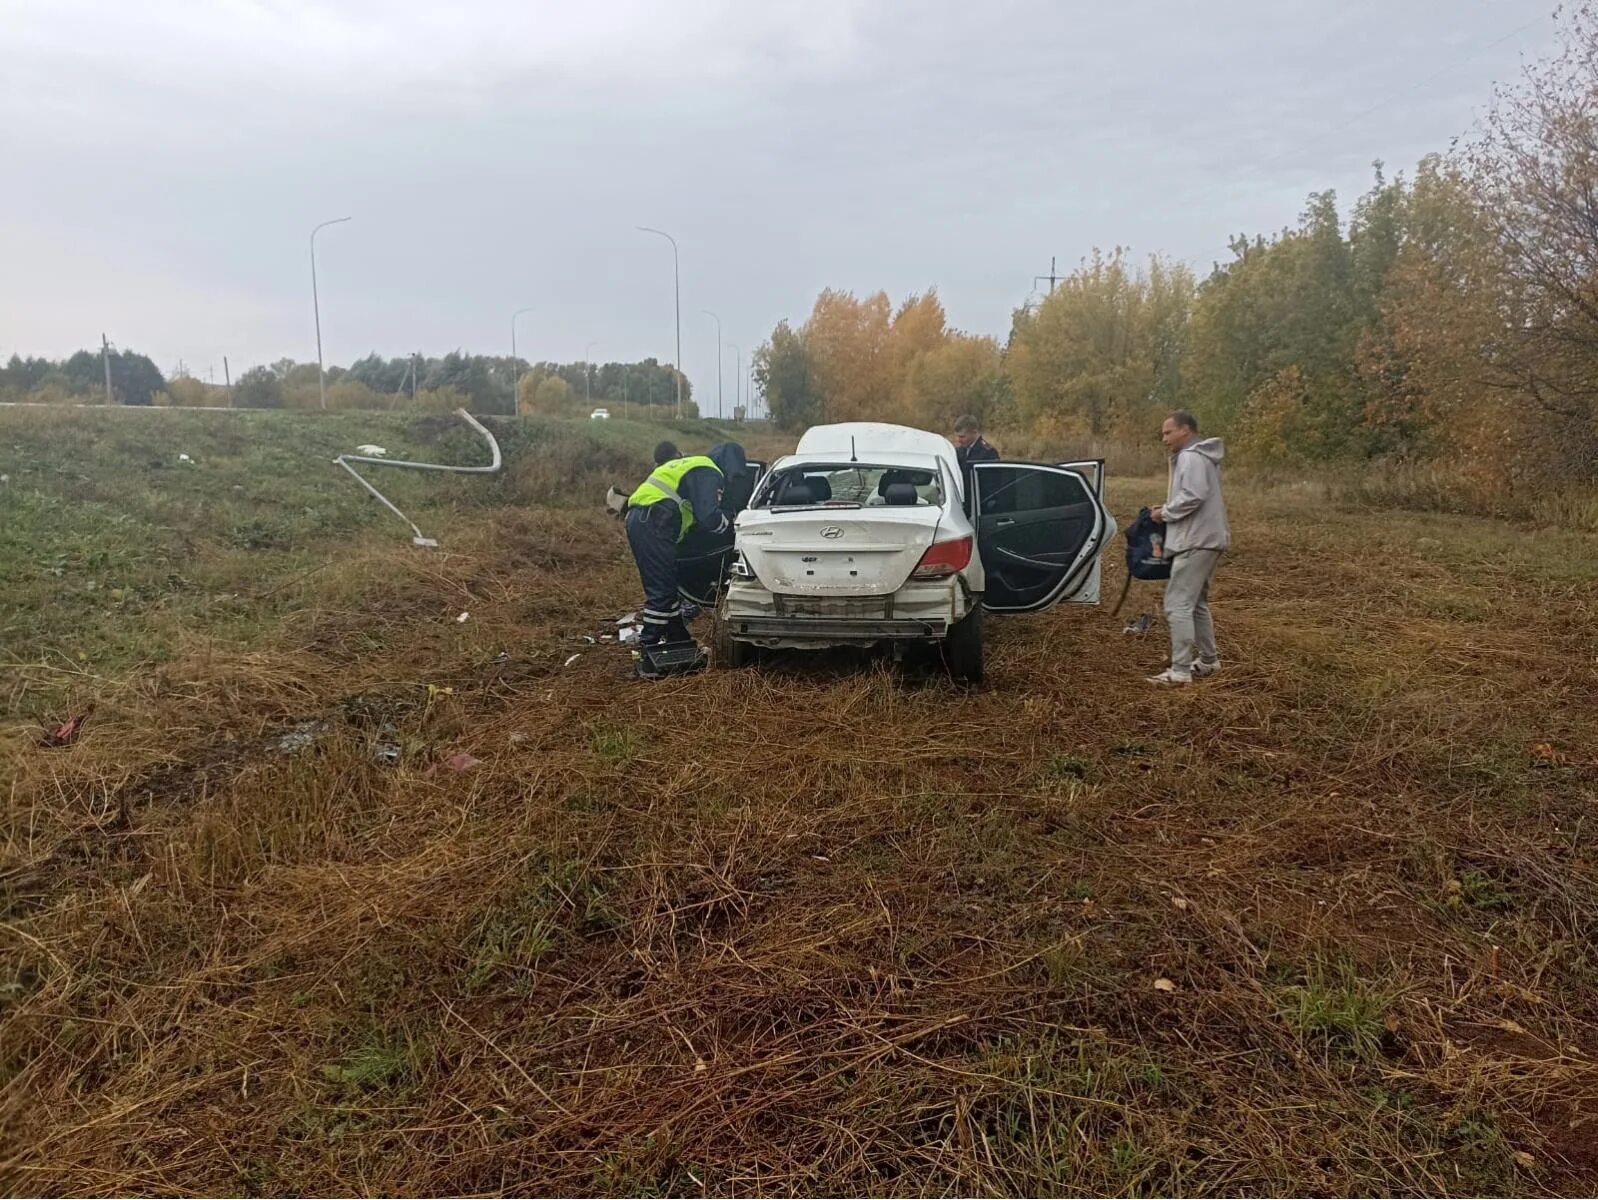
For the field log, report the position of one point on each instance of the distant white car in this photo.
(599, 414)
(866, 534)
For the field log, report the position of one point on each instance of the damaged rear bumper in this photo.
(832, 631)
(917, 612)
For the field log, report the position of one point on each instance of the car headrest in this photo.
(900, 493)
(821, 486)
(796, 491)
(914, 478)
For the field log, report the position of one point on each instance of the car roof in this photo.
(877, 442)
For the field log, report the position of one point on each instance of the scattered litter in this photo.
(434, 689)
(517, 738)
(184, 458)
(1179, 903)
(461, 762)
(371, 450)
(572, 659)
(5, 479)
(592, 641)
(1162, 984)
(304, 734)
(1526, 1160)
(630, 619)
(463, 618)
(1544, 755)
(607, 637)
(1139, 626)
(386, 753)
(65, 733)
(629, 635)
(500, 659)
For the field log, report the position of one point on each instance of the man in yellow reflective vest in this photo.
(680, 495)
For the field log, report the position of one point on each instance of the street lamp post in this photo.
(588, 375)
(515, 364)
(719, 410)
(316, 307)
(676, 289)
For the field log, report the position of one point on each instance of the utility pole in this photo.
(227, 378)
(676, 291)
(515, 365)
(588, 375)
(105, 356)
(1053, 276)
(316, 307)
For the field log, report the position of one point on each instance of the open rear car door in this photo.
(1040, 529)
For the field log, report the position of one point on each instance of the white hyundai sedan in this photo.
(867, 534)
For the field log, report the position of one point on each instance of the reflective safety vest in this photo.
(662, 485)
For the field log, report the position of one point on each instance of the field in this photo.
(1325, 924)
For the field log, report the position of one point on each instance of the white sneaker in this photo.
(1170, 678)
(1202, 669)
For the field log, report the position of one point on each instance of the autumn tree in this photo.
(1102, 352)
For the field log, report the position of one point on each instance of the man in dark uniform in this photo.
(680, 496)
(969, 444)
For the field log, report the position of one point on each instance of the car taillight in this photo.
(943, 559)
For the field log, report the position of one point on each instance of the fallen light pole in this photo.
(421, 539)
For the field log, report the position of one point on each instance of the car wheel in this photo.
(962, 648)
(729, 651)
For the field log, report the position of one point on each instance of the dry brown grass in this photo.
(821, 927)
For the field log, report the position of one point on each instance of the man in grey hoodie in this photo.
(1196, 535)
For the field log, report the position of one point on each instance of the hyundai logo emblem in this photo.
(831, 531)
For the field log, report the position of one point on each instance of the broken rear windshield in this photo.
(850, 485)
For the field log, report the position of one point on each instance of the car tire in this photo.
(962, 648)
(729, 651)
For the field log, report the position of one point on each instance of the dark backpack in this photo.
(1141, 562)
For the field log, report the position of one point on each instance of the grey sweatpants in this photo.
(1187, 609)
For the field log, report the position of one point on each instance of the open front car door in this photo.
(1040, 529)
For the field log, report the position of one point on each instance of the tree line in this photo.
(1450, 315)
(479, 382)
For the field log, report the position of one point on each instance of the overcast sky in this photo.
(165, 161)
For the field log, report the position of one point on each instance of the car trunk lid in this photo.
(836, 551)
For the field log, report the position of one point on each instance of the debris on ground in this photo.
(1162, 984)
(627, 619)
(463, 618)
(387, 753)
(500, 659)
(1140, 625)
(303, 735)
(371, 450)
(185, 458)
(629, 635)
(65, 733)
(461, 762)
(572, 659)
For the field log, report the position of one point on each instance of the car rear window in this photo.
(849, 484)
